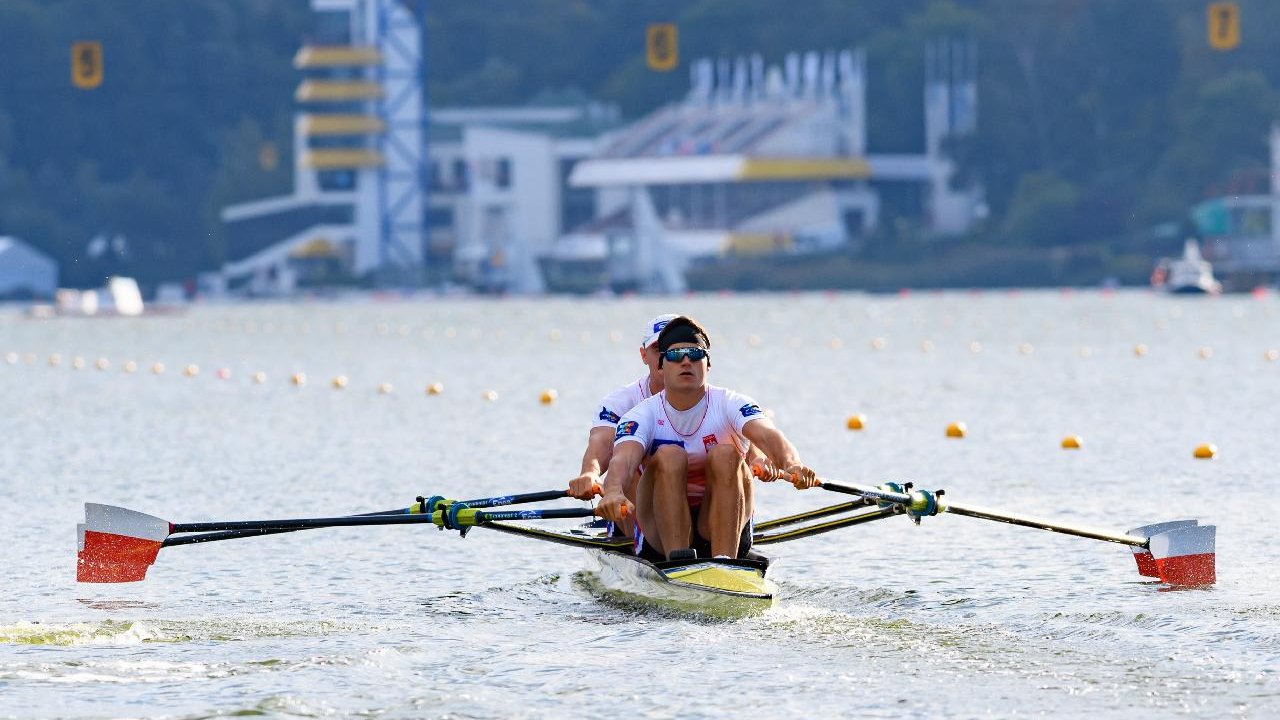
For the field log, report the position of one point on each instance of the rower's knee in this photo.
(669, 458)
(725, 461)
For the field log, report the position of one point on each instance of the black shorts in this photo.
(701, 544)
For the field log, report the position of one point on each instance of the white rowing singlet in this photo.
(619, 403)
(718, 418)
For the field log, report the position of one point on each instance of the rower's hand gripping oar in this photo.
(1180, 553)
(116, 544)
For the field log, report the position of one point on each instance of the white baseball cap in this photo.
(654, 328)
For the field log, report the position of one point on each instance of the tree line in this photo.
(1098, 120)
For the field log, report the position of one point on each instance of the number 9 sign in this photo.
(86, 65)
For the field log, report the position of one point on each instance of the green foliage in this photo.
(1096, 119)
(1041, 211)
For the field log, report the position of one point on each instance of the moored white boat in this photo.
(1190, 274)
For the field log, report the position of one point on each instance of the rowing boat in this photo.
(712, 587)
(119, 545)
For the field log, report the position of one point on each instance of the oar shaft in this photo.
(1040, 523)
(871, 495)
(533, 497)
(466, 517)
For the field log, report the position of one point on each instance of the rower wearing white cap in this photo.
(695, 496)
(595, 461)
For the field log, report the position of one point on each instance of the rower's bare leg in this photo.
(664, 506)
(728, 503)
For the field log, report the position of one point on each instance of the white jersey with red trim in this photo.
(718, 418)
(619, 403)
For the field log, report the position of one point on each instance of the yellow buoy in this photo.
(1026, 349)
(1272, 355)
(1207, 451)
(191, 370)
(77, 363)
(490, 395)
(259, 377)
(1206, 352)
(548, 396)
(975, 347)
(1085, 351)
(879, 343)
(835, 343)
(956, 430)
(339, 382)
(158, 368)
(102, 363)
(130, 366)
(754, 340)
(298, 379)
(54, 359)
(856, 422)
(435, 388)
(926, 346)
(555, 335)
(1071, 442)
(385, 388)
(11, 358)
(1140, 350)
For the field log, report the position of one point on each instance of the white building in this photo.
(382, 196)
(1242, 232)
(759, 160)
(25, 272)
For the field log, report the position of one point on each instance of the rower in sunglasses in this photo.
(695, 496)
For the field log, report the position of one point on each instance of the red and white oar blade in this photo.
(1142, 556)
(116, 544)
(1186, 556)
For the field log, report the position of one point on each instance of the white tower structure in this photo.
(367, 94)
(360, 155)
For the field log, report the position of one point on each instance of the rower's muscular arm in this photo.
(626, 458)
(595, 462)
(779, 450)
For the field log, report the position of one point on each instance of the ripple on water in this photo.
(131, 632)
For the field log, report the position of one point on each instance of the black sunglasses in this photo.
(676, 355)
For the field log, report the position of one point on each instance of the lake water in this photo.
(956, 618)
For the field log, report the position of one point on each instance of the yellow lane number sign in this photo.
(86, 65)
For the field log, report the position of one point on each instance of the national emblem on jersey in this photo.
(709, 441)
(608, 415)
(626, 428)
(750, 409)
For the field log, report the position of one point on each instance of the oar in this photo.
(1180, 553)
(118, 545)
(436, 502)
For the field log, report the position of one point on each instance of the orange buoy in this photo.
(856, 422)
(956, 430)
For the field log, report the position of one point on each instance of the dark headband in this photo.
(681, 333)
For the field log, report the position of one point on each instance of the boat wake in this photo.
(138, 632)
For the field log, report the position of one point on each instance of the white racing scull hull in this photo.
(716, 588)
